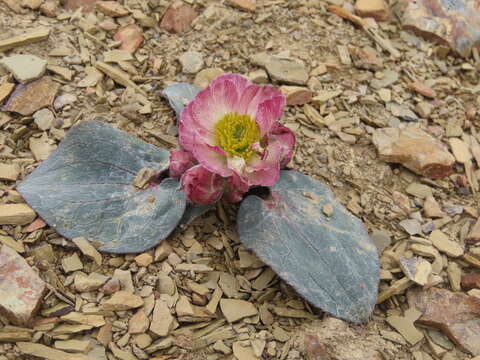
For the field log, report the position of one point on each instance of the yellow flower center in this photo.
(236, 133)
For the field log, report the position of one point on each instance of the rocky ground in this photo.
(388, 120)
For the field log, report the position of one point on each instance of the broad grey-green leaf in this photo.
(85, 189)
(330, 261)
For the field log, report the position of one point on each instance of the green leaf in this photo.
(330, 261)
(85, 189)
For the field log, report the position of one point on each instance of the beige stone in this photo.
(234, 309)
(243, 351)
(12, 243)
(416, 269)
(205, 76)
(14, 336)
(112, 8)
(248, 5)
(122, 300)
(296, 95)
(83, 319)
(88, 250)
(143, 340)
(125, 277)
(16, 214)
(474, 234)
(183, 307)
(445, 245)
(460, 150)
(162, 251)
(376, 9)
(47, 353)
(75, 346)
(421, 191)
(105, 335)
(85, 283)
(454, 273)
(72, 263)
(138, 323)
(144, 259)
(41, 146)
(196, 268)
(9, 172)
(211, 307)
(5, 90)
(162, 320)
(431, 208)
(395, 288)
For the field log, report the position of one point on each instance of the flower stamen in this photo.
(236, 133)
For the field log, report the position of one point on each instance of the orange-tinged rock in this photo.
(248, 5)
(112, 8)
(21, 289)
(178, 17)
(28, 98)
(37, 224)
(415, 149)
(456, 314)
(131, 37)
(5, 90)
(376, 9)
(423, 89)
(138, 323)
(471, 281)
(454, 23)
(49, 8)
(87, 5)
(296, 95)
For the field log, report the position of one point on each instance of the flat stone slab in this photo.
(25, 68)
(415, 149)
(456, 314)
(28, 98)
(21, 289)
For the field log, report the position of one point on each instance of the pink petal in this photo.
(237, 80)
(186, 129)
(212, 158)
(236, 187)
(180, 161)
(262, 172)
(208, 107)
(225, 95)
(201, 186)
(286, 138)
(268, 112)
(265, 170)
(191, 129)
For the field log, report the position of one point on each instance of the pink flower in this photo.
(201, 186)
(231, 129)
(180, 161)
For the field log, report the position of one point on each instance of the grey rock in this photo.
(44, 119)
(192, 62)
(402, 112)
(63, 100)
(389, 77)
(286, 70)
(25, 68)
(411, 226)
(381, 239)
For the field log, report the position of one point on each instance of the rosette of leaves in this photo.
(113, 188)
